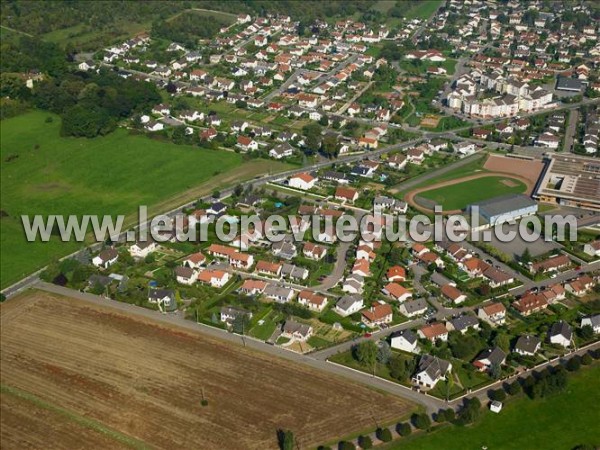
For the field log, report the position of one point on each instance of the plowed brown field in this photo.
(144, 382)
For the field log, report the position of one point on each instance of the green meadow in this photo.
(44, 173)
(458, 196)
(559, 422)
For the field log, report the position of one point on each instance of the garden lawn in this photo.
(44, 173)
(458, 196)
(558, 422)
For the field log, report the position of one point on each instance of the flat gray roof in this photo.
(504, 204)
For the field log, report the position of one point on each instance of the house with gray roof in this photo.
(527, 345)
(405, 340)
(296, 330)
(413, 307)
(431, 370)
(349, 304)
(462, 323)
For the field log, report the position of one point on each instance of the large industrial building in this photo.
(506, 208)
(570, 180)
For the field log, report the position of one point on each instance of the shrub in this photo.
(204, 402)
(421, 421)
(345, 445)
(498, 395)
(586, 359)
(574, 364)
(403, 429)
(365, 442)
(384, 434)
(514, 388)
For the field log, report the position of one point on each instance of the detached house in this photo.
(433, 332)
(494, 314)
(488, 358)
(528, 345)
(313, 301)
(253, 287)
(296, 331)
(346, 194)
(453, 294)
(106, 258)
(431, 370)
(215, 278)
(397, 292)
(405, 340)
(413, 308)
(560, 333)
(186, 275)
(142, 249)
(246, 144)
(303, 181)
(349, 304)
(380, 313)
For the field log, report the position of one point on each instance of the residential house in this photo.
(164, 298)
(580, 286)
(433, 332)
(592, 321)
(142, 249)
(413, 308)
(405, 340)
(186, 275)
(106, 258)
(268, 268)
(230, 314)
(380, 313)
(397, 292)
(489, 358)
(349, 304)
(494, 314)
(246, 144)
(346, 194)
(530, 303)
(431, 370)
(253, 287)
(396, 274)
(453, 294)
(215, 278)
(527, 345)
(313, 301)
(314, 251)
(561, 333)
(463, 323)
(303, 181)
(297, 331)
(279, 293)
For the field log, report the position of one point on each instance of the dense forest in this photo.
(186, 29)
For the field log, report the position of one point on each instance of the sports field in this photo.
(80, 375)
(44, 173)
(560, 422)
(457, 196)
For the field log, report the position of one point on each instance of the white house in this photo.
(142, 249)
(431, 370)
(304, 181)
(349, 304)
(560, 333)
(405, 340)
(592, 321)
(186, 275)
(106, 258)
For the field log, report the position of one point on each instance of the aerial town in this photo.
(384, 112)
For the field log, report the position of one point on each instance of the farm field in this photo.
(44, 173)
(570, 412)
(142, 384)
(458, 196)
